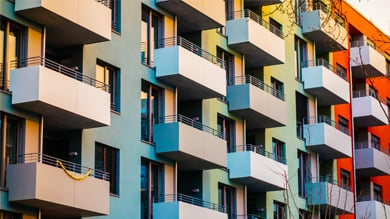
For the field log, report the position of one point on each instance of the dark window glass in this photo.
(106, 160)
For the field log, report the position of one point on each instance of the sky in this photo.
(378, 11)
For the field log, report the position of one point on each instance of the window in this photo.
(151, 184)
(13, 141)
(150, 109)
(229, 68)
(275, 24)
(107, 160)
(298, 10)
(151, 32)
(345, 178)
(301, 112)
(109, 74)
(341, 71)
(226, 127)
(375, 141)
(303, 172)
(278, 149)
(227, 199)
(300, 57)
(343, 124)
(229, 9)
(279, 210)
(13, 50)
(372, 92)
(378, 193)
(278, 88)
(116, 15)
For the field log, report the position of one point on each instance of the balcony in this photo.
(39, 181)
(182, 206)
(194, 145)
(369, 109)
(196, 73)
(329, 84)
(260, 42)
(196, 15)
(260, 170)
(327, 31)
(329, 195)
(328, 138)
(369, 208)
(372, 159)
(367, 61)
(69, 23)
(62, 95)
(258, 3)
(261, 105)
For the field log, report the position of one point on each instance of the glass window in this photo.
(151, 185)
(229, 68)
(226, 127)
(345, 178)
(278, 88)
(303, 172)
(378, 193)
(151, 32)
(150, 109)
(375, 141)
(109, 75)
(278, 149)
(107, 160)
(300, 57)
(227, 199)
(279, 210)
(343, 124)
(116, 15)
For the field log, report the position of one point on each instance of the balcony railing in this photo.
(191, 200)
(259, 149)
(53, 161)
(365, 93)
(145, 59)
(180, 41)
(106, 3)
(324, 8)
(322, 62)
(327, 120)
(364, 145)
(373, 198)
(257, 18)
(191, 122)
(359, 43)
(330, 180)
(249, 216)
(249, 79)
(70, 72)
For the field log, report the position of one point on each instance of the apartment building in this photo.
(223, 109)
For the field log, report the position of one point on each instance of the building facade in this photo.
(166, 109)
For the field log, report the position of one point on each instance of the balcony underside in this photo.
(365, 71)
(366, 121)
(254, 56)
(188, 162)
(256, 120)
(326, 97)
(324, 43)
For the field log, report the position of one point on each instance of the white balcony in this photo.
(258, 3)
(63, 96)
(367, 61)
(368, 110)
(260, 42)
(371, 159)
(196, 15)
(186, 207)
(330, 196)
(193, 145)
(327, 83)
(372, 209)
(196, 73)
(261, 105)
(69, 22)
(260, 170)
(39, 182)
(329, 139)
(329, 34)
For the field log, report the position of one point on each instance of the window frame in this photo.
(149, 164)
(223, 123)
(114, 152)
(114, 83)
(278, 147)
(279, 206)
(149, 111)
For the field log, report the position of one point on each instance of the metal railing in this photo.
(246, 13)
(249, 79)
(377, 146)
(106, 3)
(145, 59)
(180, 41)
(360, 43)
(70, 72)
(364, 198)
(330, 180)
(259, 149)
(327, 120)
(191, 200)
(249, 216)
(365, 93)
(52, 161)
(191, 122)
(322, 62)
(326, 9)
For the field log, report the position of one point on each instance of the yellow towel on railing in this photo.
(73, 176)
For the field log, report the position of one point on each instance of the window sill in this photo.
(148, 142)
(116, 32)
(146, 65)
(116, 112)
(114, 195)
(4, 189)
